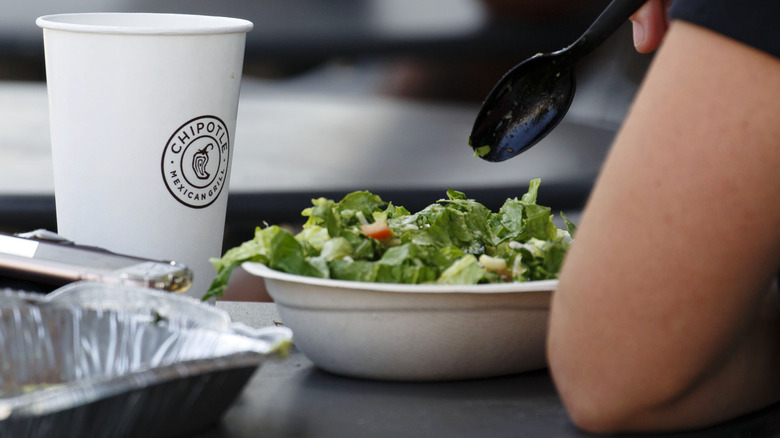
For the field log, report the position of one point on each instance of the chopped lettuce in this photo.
(453, 241)
(481, 151)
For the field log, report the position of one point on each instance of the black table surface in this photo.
(293, 398)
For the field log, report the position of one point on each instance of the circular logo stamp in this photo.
(195, 161)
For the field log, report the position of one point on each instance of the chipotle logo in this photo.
(195, 161)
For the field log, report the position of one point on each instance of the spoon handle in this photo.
(613, 16)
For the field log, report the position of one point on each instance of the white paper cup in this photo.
(142, 110)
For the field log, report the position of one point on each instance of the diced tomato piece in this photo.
(378, 230)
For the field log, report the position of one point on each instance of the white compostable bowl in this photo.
(407, 332)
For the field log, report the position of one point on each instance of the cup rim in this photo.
(143, 23)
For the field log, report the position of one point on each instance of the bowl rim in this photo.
(263, 271)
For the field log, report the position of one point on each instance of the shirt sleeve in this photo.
(752, 22)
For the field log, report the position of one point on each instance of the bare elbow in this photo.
(601, 400)
(598, 419)
(628, 412)
(605, 399)
(611, 385)
(591, 411)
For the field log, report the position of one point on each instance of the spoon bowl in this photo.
(531, 99)
(525, 106)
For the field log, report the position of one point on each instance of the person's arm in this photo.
(663, 318)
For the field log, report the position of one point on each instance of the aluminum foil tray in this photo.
(94, 360)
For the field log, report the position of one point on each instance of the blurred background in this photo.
(343, 95)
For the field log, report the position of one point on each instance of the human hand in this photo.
(650, 23)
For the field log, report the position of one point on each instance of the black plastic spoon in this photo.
(529, 100)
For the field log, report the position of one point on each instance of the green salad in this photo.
(453, 241)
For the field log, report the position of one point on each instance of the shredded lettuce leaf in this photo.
(442, 243)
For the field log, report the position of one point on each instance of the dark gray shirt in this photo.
(753, 22)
